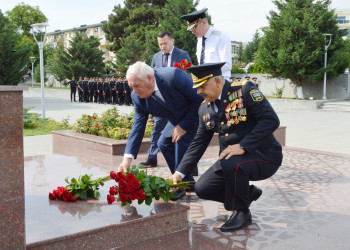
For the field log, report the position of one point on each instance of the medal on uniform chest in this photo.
(240, 103)
(208, 124)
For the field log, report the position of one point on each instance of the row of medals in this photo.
(234, 111)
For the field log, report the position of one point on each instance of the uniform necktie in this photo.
(165, 63)
(217, 104)
(203, 49)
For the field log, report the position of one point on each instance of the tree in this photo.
(136, 18)
(240, 52)
(82, 58)
(293, 45)
(23, 15)
(251, 48)
(13, 57)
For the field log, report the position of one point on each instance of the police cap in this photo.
(254, 78)
(201, 73)
(247, 77)
(194, 17)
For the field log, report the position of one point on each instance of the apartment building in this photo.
(65, 36)
(343, 18)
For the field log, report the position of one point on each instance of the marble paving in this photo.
(305, 205)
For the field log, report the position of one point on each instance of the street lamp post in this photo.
(32, 59)
(326, 46)
(39, 34)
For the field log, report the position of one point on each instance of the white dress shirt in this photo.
(217, 49)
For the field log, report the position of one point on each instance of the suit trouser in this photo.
(173, 152)
(72, 94)
(227, 181)
(159, 125)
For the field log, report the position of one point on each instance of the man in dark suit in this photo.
(166, 57)
(164, 92)
(245, 121)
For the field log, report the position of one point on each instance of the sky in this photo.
(239, 19)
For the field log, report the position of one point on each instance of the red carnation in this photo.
(52, 196)
(189, 64)
(113, 175)
(184, 61)
(123, 197)
(140, 195)
(177, 65)
(110, 199)
(113, 190)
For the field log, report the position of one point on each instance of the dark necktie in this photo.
(217, 104)
(159, 100)
(165, 63)
(203, 49)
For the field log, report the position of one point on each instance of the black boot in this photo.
(149, 163)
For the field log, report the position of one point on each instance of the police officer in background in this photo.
(80, 89)
(107, 91)
(120, 91)
(112, 84)
(91, 89)
(245, 121)
(127, 91)
(100, 90)
(86, 89)
(73, 88)
(212, 45)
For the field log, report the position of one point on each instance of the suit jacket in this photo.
(244, 116)
(182, 103)
(176, 56)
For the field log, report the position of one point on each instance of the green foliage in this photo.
(37, 75)
(13, 56)
(84, 187)
(293, 46)
(256, 68)
(34, 124)
(278, 91)
(23, 15)
(30, 120)
(236, 70)
(251, 48)
(111, 124)
(240, 53)
(82, 58)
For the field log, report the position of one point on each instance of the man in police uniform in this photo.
(245, 121)
(212, 45)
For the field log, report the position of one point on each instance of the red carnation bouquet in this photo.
(130, 186)
(183, 65)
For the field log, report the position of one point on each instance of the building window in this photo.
(96, 30)
(342, 19)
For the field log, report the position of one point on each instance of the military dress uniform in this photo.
(241, 115)
(80, 90)
(86, 91)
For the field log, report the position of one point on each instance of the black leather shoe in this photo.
(236, 221)
(254, 193)
(149, 163)
(178, 194)
(195, 171)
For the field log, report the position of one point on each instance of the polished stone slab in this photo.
(88, 224)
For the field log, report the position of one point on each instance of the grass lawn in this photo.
(45, 127)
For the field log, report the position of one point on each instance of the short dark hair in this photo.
(165, 33)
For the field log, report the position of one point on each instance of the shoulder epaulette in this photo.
(235, 84)
(203, 102)
(216, 32)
